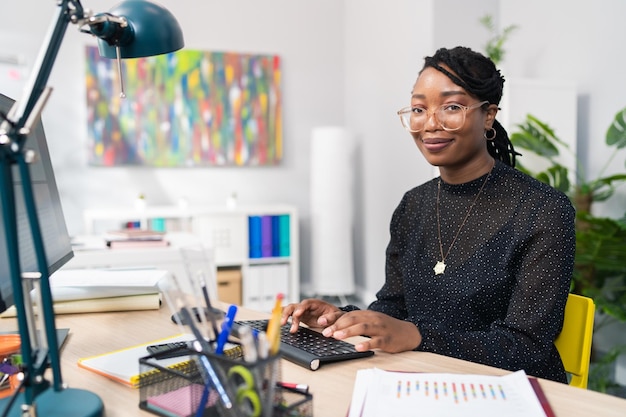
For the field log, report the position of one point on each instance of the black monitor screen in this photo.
(51, 220)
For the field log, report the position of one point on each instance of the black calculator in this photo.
(168, 350)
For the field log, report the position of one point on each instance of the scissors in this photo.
(247, 397)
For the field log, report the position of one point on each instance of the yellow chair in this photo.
(574, 342)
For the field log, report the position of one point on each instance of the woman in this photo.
(480, 259)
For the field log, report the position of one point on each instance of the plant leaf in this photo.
(556, 176)
(611, 179)
(616, 134)
(535, 138)
(546, 129)
(603, 188)
(487, 22)
(600, 246)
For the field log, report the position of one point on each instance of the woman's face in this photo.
(459, 148)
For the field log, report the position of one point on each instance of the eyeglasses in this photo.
(450, 116)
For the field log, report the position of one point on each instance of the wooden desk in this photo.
(331, 385)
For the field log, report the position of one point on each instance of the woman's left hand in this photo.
(385, 332)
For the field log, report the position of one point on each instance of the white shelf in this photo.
(224, 230)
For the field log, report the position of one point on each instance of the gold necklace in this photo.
(440, 266)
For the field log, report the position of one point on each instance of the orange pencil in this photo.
(273, 327)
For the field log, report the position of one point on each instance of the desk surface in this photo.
(331, 385)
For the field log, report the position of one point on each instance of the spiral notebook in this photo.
(123, 365)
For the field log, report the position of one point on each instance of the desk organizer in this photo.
(178, 390)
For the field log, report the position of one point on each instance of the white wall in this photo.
(382, 61)
(308, 37)
(386, 44)
(345, 62)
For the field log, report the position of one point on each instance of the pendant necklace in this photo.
(440, 266)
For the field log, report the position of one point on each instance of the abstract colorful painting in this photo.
(188, 108)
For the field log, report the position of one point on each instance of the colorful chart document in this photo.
(399, 394)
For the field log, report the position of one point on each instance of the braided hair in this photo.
(479, 76)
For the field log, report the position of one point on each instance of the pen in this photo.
(263, 345)
(247, 341)
(226, 327)
(203, 400)
(273, 327)
(207, 300)
(303, 388)
(215, 380)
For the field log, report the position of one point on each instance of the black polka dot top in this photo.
(501, 298)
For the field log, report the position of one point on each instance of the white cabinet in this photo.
(233, 236)
(262, 283)
(554, 102)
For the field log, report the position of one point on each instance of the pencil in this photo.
(273, 326)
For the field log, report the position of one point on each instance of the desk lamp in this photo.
(132, 29)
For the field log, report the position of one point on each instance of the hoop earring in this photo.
(492, 137)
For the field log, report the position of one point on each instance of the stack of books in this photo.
(135, 238)
(101, 290)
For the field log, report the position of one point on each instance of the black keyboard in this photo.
(307, 347)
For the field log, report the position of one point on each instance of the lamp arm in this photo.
(17, 128)
(115, 30)
(68, 11)
(14, 131)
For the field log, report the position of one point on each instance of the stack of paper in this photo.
(99, 290)
(399, 394)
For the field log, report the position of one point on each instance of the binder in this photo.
(254, 236)
(275, 235)
(284, 230)
(266, 236)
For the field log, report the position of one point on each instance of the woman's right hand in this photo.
(312, 312)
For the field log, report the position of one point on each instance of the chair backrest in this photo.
(574, 342)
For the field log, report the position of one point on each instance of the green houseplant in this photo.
(494, 48)
(600, 270)
(600, 261)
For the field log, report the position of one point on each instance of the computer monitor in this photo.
(56, 239)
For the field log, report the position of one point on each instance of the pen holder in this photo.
(237, 388)
(248, 388)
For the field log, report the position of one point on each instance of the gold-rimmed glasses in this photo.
(450, 116)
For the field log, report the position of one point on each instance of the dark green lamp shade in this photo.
(152, 30)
